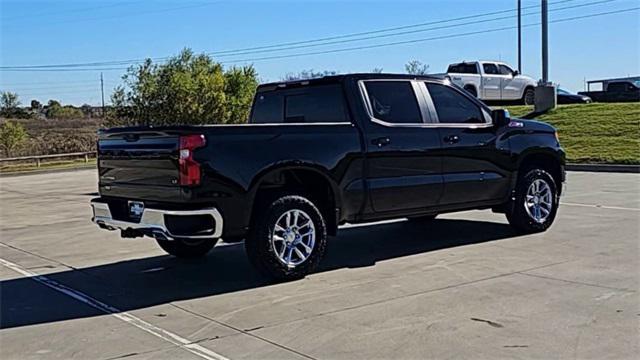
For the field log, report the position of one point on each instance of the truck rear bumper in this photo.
(159, 223)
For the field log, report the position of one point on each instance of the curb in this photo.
(604, 168)
(47, 171)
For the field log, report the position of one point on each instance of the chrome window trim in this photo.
(428, 114)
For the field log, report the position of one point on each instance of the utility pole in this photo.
(545, 42)
(102, 91)
(545, 97)
(520, 36)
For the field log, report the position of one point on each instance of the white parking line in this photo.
(600, 206)
(121, 315)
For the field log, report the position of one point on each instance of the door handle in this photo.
(451, 139)
(381, 141)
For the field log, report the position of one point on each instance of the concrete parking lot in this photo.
(464, 286)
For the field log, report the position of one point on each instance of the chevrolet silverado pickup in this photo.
(493, 81)
(319, 153)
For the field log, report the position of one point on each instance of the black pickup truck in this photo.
(320, 153)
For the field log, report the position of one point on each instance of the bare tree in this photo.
(415, 67)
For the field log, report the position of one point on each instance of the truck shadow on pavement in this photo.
(145, 282)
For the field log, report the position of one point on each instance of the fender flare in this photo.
(259, 178)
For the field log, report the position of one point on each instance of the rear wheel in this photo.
(536, 202)
(529, 96)
(471, 90)
(187, 248)
(288, 238)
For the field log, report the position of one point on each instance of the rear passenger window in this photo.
(393, 102)
(490, 69)
(453, 107)
(313, 104)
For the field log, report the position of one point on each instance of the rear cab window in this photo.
(463, 68)
(310, 104)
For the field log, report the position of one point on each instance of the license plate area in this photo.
(136, 209)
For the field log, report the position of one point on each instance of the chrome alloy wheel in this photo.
(293, 237)
(539, 201)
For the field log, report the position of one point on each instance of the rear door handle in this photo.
(381, 141)
(451, 139)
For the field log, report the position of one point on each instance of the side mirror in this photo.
(500, 117)
(516, 73)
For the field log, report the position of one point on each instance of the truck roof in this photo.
(332, 79)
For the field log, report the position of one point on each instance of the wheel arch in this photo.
(471, 86)
(305, 179)
(546, 160)
(524, 90)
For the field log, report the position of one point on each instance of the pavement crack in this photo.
(492, 323)
(574, 282)
(244, 332)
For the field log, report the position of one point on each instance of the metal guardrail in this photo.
(38, 158)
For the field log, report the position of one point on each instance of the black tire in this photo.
(184, 248)
(423, 218)
(517, 213)
(529, 96)
(471, 90)
(262, 253)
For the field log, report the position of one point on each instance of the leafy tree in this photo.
(10, 106)
(64, 112)
(186, 89)
(308, 74)
(87, 110)
(9, 101)
(12, 136)
(36, 105)
(53, 103)
(415, 67)
(240, 87)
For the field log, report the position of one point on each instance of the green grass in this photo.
(595, 133)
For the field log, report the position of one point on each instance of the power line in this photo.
(63, 87)
(409, 32)
(377, 45)
(429, 39)
(467, 17)
(243, 50)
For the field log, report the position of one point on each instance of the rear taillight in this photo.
(189, 168)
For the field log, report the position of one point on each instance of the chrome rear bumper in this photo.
(152, 221)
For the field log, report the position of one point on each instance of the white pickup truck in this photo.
(493, 81)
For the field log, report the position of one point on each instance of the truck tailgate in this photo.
(139, 164)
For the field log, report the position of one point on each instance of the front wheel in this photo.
(187, 248)
(536, 202)
(288, 238)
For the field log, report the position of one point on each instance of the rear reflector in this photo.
(189, 168)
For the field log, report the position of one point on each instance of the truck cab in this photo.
(492, 81)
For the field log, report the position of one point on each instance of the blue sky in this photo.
(62, 32)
